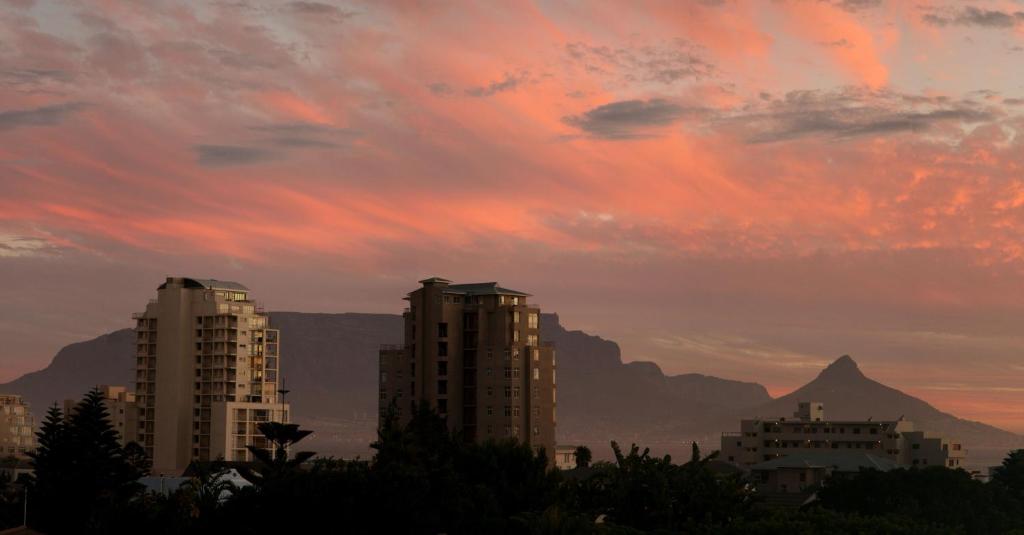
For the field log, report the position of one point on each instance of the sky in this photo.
(745, 189)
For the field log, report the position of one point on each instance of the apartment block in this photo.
(17, 427)
(473, 352)
(808, 430)
(207, 365)
(122, 408)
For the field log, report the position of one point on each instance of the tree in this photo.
(282, 436)
(583, 457)
(82, 477)
(136, 456)
(51, 462)
(208, 488)
(1011, 473)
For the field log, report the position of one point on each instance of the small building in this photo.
(765, 439)
(565, 457)
(802, 471)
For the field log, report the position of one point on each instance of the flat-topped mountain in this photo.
(329, 364)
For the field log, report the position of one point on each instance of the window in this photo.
(916, 447)
(489, 372)
(508, 372)
(515, 336)
(515, 410)
(531, 340)
(515, 316)
(442, 368)
(490, 410)
(531, 320)
(442, 330)
(536, 430)
(508, 392)
(515, 300)
(515, 373)
(515, 392)
(536, 354)
(442, 388)
(490, 390)
(508, 355)
(490, 429)
(442, 349)
(442, 406)
(508, 410)
(536, 374)
(383, 377)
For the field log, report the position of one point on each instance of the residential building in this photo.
(565, 457)
(123, 411)
(897, 440)
(207, 365)
(17, 426)
(792, 480)
(473, 352)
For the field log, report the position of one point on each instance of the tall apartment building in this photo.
(473, 352)
(123, 411)
(809, 431)
(17, 427)
(206, 374)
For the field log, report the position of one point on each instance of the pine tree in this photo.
(51, 463)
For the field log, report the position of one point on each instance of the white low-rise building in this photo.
(764, 439)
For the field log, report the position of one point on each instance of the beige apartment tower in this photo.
(206, 374)
(17, 427)
(473, 352)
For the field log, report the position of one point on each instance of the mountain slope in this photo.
(848, 394)
(330, 365)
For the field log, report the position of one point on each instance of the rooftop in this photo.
(209, 284)
(839, 461)
(482, 288)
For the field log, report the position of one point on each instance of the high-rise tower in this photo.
(473, 352)
(206, 373)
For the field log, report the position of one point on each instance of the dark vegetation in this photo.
(424, 479)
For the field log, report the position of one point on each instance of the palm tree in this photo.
(208, 487)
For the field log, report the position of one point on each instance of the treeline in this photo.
(423, 479)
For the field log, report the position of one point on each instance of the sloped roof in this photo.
(482, 288)
(838, 461)
(210, 284)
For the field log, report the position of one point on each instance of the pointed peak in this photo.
(843, 368)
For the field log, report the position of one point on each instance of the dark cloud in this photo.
(855, 5)
(629, 119)
(851, 113)
(44, 116)
(320, 11)
(34, 80)
(306, 135)
(664, 63)
(440, 89)
(510, 83)
(973, 16)
(838, 43)
(227, 155)
(1013, 101)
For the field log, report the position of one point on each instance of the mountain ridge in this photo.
(330, 366)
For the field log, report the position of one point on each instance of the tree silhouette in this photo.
(81, 472)
(1010, 474)
(282, 436)
(583, 456)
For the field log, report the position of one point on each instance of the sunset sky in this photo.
(747, 189)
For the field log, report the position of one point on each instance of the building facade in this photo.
(765, 439)
(207, 365)
(123, 411)
(17, 427)
(473, 352)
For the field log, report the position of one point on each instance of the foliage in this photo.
(82, 475)
(583, 456)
